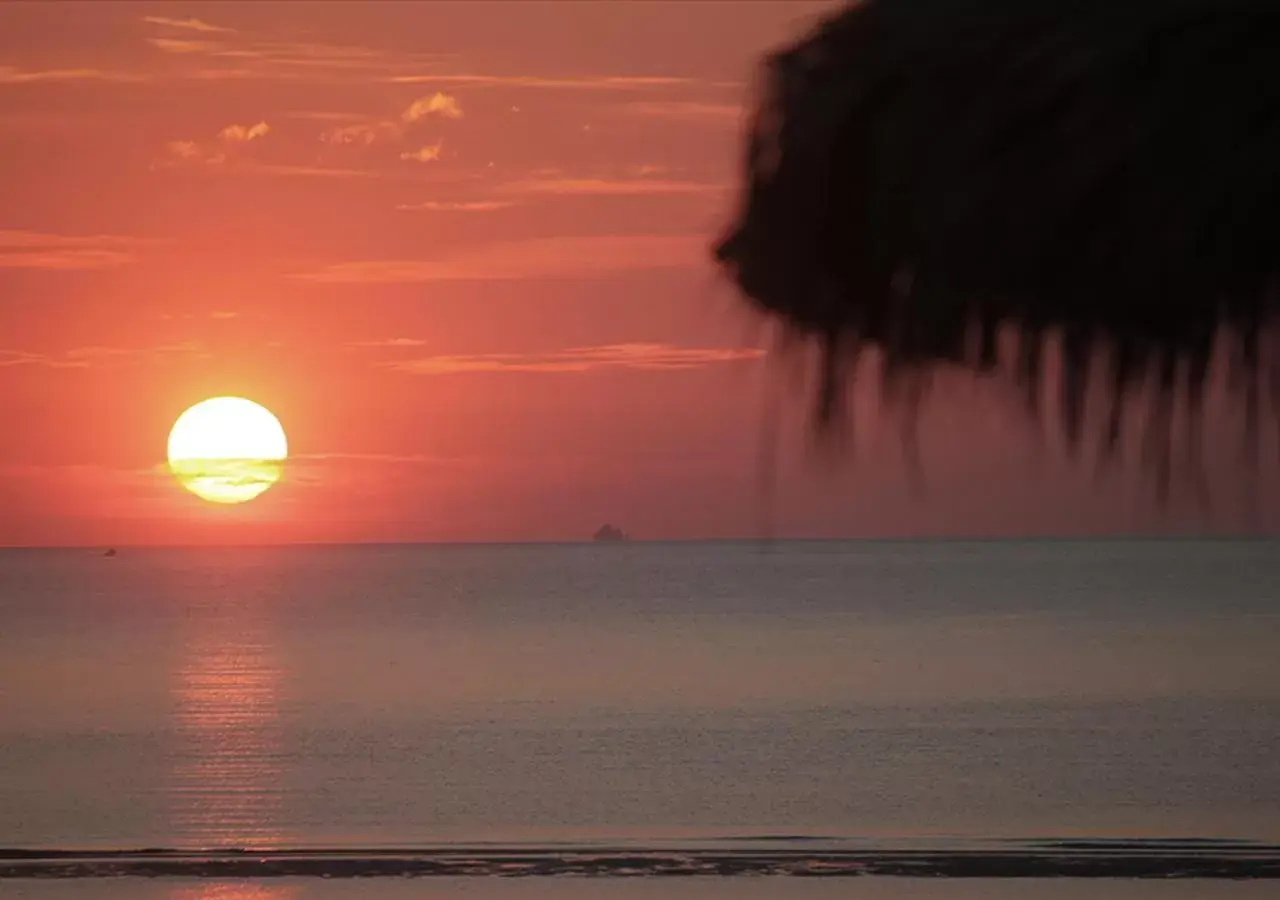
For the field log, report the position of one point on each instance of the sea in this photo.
(931, 719)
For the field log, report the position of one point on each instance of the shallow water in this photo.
(407, 696)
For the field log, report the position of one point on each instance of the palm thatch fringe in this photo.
(921, 175)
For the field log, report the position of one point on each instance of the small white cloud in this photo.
(240, 134)
(214, 152)
(183, 150)
(437, 104)
(370, 131)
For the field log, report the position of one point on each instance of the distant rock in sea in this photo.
(608, 532)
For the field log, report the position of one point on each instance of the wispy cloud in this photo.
(216, 158)
(215, 52)
(588, 82)
(636, 356)
(224, 73)
(38, 250)
(390, 342)
(678, 109)
(187, 25)
(351, 469)
(67, 260)
(191, 317)
(289, 170)
(88, 357)
(316, 56)
(13, 75)
(633, 181)
(375, 457)
(29, 239)
(562, 257)
(183, 45)
(604, 187)
(78, 476)
(10, 358)
(429, 153)
(456, 206)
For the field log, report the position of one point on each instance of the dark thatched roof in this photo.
(921, 175)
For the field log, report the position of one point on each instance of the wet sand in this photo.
(1045, 859)
(638, 889)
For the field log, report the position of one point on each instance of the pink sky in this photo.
(460, 249)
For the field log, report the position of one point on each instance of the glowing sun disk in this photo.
(227, 449)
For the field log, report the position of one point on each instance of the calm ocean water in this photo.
(879, 692)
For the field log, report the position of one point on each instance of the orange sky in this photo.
(459, 248)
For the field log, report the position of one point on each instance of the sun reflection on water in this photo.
(224, 789)
(233, 891)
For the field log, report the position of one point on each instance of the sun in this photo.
(227, 449)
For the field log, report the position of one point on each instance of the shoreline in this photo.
(1181, 859)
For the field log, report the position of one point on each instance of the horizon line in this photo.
(1223, 536)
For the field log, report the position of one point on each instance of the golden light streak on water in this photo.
(233, 892)
(225, 782)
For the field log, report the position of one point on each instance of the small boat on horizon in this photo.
(607, 532)
(111, 552)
